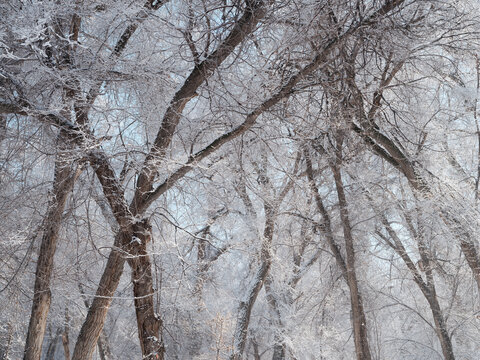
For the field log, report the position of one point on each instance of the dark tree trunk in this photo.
(359, 319)
(347, 267)
(93, 324)
(149, 324)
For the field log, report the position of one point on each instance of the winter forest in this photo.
(239, 179)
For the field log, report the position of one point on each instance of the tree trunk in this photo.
(279, 344)
(347, 267)
(65, 337)
(65, 174)
(52, 346)
(93, 324)
(359, 319)
(103, 346)
(440, 325)
(149, 324)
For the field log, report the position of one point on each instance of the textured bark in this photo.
(149, 324)
(103, 346)
(97, 313)
(63, 185)
(93, 325)
(6, 343)
(3, 128)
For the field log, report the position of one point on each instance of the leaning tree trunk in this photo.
(103, 345)
(93, 324)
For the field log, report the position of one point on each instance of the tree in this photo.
(221, 150)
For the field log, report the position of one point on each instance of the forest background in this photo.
(213, 179)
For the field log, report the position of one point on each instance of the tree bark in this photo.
(359, 319)
(93, 325)
(6, 342)
(279, 344)
(65, 173)
(103, 346)
(149, 324)
(65, 336)
(347, 267)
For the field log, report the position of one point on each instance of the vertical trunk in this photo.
(256, 352)
(279, 345)
(347, 267)
(245, 311)
(63, 185)
(103, 347)
(3, 128)
(359, 319)
(65, 338)
(431, 294)
(149, 325)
